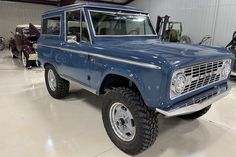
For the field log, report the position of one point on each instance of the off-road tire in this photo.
(62, 85)
(145, 120)
(196, 115)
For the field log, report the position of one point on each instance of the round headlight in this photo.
(179, 83)
(226, 68)
(35, 46)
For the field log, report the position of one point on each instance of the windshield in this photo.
(115, 24)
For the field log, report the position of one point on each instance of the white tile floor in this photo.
(33, 124)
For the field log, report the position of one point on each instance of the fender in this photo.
(130, 75)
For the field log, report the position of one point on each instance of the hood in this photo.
(33, 31)
(175, 54)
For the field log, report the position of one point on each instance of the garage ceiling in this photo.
(67, 2)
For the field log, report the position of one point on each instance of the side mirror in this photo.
(71, 39)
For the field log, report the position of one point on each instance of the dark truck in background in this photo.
(21, 44)
(232, 48)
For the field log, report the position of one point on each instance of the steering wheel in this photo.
(133, 32)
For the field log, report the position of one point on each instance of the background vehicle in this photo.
(21, 45)
(232, 48)
(114, 51)
(171, 31)
(2, 44)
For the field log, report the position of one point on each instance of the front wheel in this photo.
(57, 86)
(131, 126)
(196, 115)
(25, 60)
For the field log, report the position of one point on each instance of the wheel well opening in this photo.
(47, 64)
(113, 81)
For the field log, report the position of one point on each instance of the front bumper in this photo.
(187, 109)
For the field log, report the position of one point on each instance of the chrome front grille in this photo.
(202, 75)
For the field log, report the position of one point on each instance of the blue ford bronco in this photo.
(114, 51)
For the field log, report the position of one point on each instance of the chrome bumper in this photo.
(193, 108)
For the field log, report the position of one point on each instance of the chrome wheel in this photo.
(52, 80)
(122, 122)
(24, 59)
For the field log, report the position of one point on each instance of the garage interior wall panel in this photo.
(14, 13)
(199, 17)
(226, 22)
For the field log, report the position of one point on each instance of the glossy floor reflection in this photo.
(33, 124)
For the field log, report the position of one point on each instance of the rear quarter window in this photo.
(51, 26)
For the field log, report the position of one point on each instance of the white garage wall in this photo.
(226, 21)
(14, 13)
(200, 17)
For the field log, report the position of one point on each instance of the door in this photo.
(52, 37)
(75, 65)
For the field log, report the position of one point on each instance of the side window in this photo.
(73, 25)
(51, 26)
(85, 34)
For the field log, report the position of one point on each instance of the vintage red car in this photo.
(21, 45)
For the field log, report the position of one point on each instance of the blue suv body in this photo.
(108, 47)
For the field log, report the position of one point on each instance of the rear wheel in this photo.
(196, 115)
(131, 126)
(57, 86)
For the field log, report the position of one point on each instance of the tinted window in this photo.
(51, 26)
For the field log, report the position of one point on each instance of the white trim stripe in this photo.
(147, 65)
